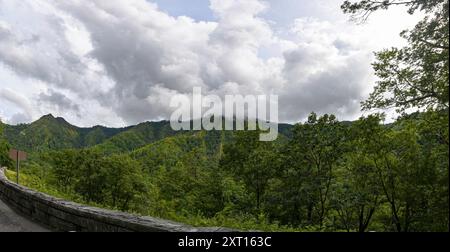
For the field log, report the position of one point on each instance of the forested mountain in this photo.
(135, 137)
(50, 133)
(326, 176)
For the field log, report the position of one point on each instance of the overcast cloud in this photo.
(117, 63)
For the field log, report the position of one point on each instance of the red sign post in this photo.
(17, 156)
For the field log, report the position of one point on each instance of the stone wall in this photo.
(61, 215)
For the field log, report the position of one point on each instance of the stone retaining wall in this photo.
(61, 215)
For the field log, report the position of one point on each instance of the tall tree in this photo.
(4, 149)
(124, 180)
(251, 160)
(315, 150)
(90, 176)
(415, 76)
(258, 169)
(359, 194)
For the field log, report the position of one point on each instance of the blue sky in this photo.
(196, 9)
(282, 12)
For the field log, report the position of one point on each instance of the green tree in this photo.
(64, 168)
(258, 170)
(431, 179)
(124, 181)
(4, 149)
(412, 160)
(251, 161)
(358, 193)
(415, 76)
(308, 171)
(90, 178)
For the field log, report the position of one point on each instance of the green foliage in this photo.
(363, 9)
(322, 175)
(50, 133)
(355, 177)
(357, 194)
(47, 133)
(184, 170)
(252, 161)
(116, 181)
(32, 178)
(330, 176)
(136, 137)
(411, 159)
(4, 149)
(415, 76)
(124, 181)
(306, 173)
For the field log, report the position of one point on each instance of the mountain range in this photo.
(55, 133)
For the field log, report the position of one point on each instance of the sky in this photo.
(118, 63)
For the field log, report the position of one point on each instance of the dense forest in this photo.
(320, 175)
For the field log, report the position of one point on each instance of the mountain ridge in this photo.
(56, 133)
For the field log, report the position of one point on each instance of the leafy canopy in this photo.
(4, 149)
(416, 76)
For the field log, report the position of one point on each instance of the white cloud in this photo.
(23, 111)
(118, 62)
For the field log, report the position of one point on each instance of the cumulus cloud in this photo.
(22, 106)
(59, 100)
(128, 58)
(326, 71)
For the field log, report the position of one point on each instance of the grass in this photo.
(35, 183)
